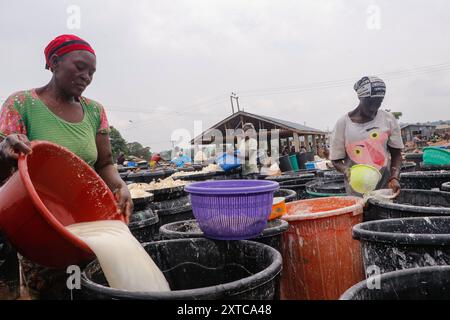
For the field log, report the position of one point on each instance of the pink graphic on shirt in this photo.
(370, 151)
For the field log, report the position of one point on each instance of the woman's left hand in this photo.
(394, 184)
(124, 201)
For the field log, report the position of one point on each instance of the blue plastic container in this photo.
(131, 164)
(228, 162)
(310, 165)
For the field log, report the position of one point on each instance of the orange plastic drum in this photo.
(320, 258)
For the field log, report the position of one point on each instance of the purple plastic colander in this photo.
(232, 209)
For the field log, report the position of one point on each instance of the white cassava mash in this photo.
(125, 263)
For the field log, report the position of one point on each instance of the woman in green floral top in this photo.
(58, 113)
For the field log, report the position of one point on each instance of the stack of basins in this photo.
(406, 247)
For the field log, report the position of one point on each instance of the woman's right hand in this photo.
(12, 146)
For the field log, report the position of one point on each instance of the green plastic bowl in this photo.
(436, 156)
(364, 178)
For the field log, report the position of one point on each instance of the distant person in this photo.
(121, 159)
(303, 149)
(368, 135)
(248, 149)
(154, 160)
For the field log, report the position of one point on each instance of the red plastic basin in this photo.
(53, 188)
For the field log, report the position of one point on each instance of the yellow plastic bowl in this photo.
(364, 178)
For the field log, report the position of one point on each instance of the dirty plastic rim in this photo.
(360, 232)
(355, 209)
(445, 187)
(37, 202)
(267, 232)
(426, 174)
(153, 219)
(406, 273)
(412, 208)
(245, 283)
(226, 187)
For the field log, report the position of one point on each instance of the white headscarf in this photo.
(372, 87)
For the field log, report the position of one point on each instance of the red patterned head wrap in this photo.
(64, 44)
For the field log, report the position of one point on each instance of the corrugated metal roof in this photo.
(417, 125)
(292, 124)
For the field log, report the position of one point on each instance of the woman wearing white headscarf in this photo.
(368, 135)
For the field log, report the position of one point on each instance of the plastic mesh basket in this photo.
(232, 209)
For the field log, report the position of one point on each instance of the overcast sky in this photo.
(164, 64)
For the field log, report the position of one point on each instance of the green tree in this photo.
(118, 143)
(136, 149)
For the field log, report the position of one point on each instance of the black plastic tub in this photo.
(196, 176)
(426, 180)
(228, 175)
(417, 158)
(200, 269)
(124, 175)
(427, 283)
(287, 194)
(168, 172)
(326, 188)
(408, 167)
(298, 185)
(289, 176)
(301, 172)
(173, 210)
(144, 225)
(405, 243)
(145, 176)
(9, 271)
(271, 234)
(168, 193)
(426, 167)
(410, 203)
(333, 175)
(301, 159)
(285, 164)
(445, 187)
(122, 169)
(143, 202)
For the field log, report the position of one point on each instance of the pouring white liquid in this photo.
(125, 263)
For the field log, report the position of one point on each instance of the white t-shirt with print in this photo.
(367, 143)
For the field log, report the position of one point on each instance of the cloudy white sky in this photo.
(163, 64)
